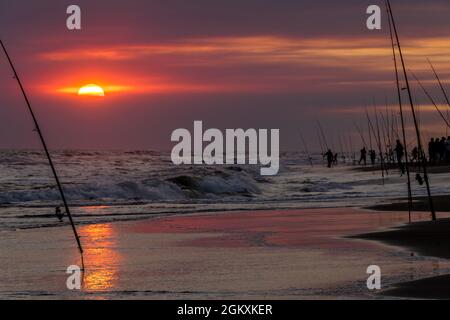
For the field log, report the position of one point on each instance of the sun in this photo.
(91, 90)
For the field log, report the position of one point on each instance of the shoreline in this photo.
(440, 202)
(292, 254)
(426, 239)
(142, 216)
(414, 168)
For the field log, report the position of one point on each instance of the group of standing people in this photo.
(439, 150)
(363, 156)
(399, 151)
(332, 158)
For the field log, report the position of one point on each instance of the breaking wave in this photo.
(112, 185)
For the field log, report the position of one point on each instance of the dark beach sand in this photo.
(273, 254)
(442, 168)
(437, 288)
(423, 238)
(441, 204)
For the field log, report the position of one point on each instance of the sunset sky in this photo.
(251, 64)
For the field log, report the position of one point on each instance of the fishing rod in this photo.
(388, 134)
(431, 99)
(320, 142)
(360, 134)
(396, 127)
(332, 143)
(383, 131)
(370, 135)
(341, 148)
(440, 83)
(391, 120)
(419, 142)
(305, 146)
(352, 149)
(380, 146)
(378, 142)
(370, 127)
(322, 150)
(371, 130)
(323, 135)
(402, 119)
(388, 125)
(387, 131)
(49, 158)
(343, 143)
(442, 89)
(384, 142)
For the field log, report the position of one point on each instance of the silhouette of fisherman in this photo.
(431, 150)
(415, 154)
(373, 156)
(330, 157)
(400, 152)
(442, 149)
(447, 149)
(59, 214)
(419, 179)
(363, 157)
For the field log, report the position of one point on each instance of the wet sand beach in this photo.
(426, 239)
(273, 254)
(441, 203)
(414, 168)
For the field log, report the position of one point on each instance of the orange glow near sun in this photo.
(91, 90)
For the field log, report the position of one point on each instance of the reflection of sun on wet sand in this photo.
(291, 254)
(275, 253)
(102, 259)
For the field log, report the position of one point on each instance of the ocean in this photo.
(106, 186)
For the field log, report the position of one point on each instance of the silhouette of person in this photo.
(442, 149)
(59, 214)
(447, 149)
(415, 154)
(363, 157)
(400, 152)
(373, 156)
(437, 147)
(431, 150)
(330, 157)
